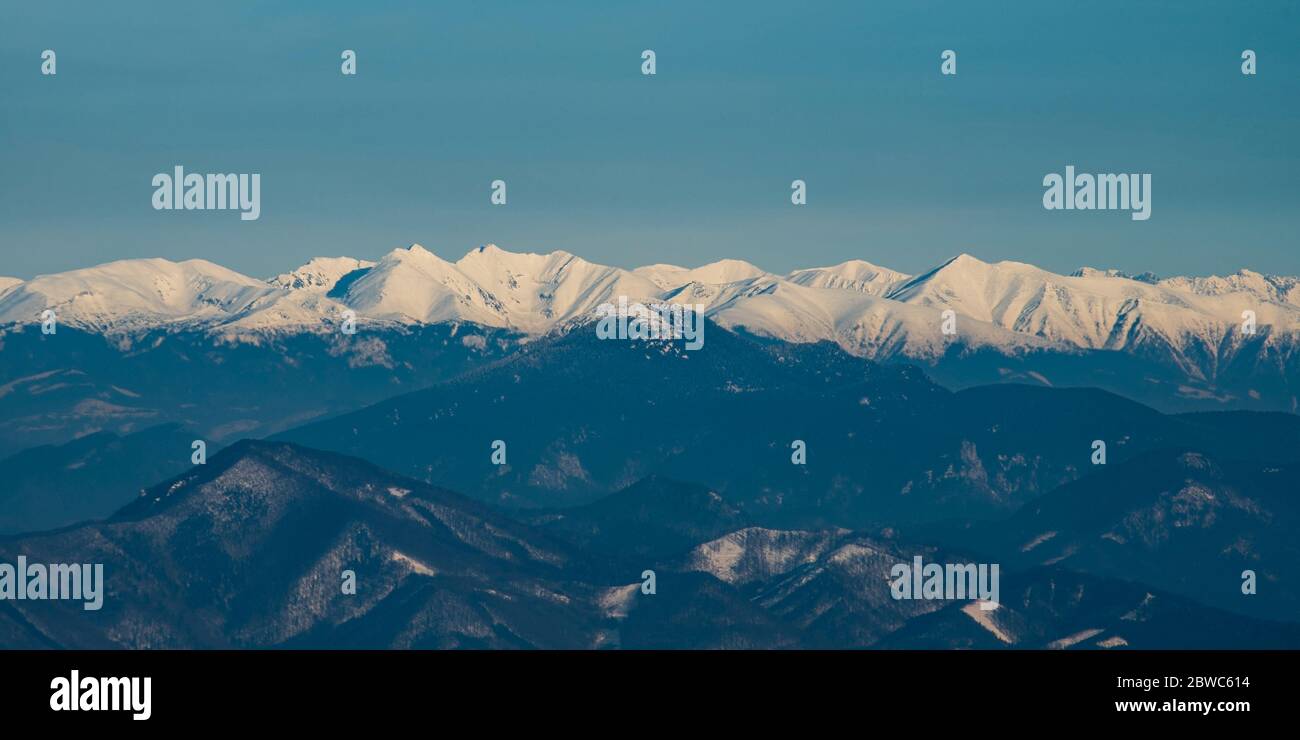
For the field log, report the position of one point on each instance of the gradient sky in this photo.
(904, 167)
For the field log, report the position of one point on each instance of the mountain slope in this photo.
(1056, 609)
(136, 294)
(253, 550)
(857, 275)
(415, 285)
(583, 418)
(653, 518)
(55, 388)
(538, 291)
(88, 478)
(250, 550)
(321, 274)
(1178, 520)
(861, 323)
(1105, 312)
(1175, 344)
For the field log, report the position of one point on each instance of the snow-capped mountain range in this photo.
(1195, 324)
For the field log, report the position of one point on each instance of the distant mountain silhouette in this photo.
(583, 418)
(1179, 520)
(251, 550)
(89, 478)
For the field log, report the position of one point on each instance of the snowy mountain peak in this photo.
(858, 275)
(1091, 272)
(134, 293)
(411, 252)
(724, 271)
(1011, 307)
(536, 291)
(413, 284)
(964, 260)
(664, 275)
(491, 254)
(320, 275)
(1268, 288)
(960, 274)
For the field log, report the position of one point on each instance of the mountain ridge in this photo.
(158, 287)
(253, 550)
(1179, 343)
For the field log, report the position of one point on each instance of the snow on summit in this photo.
(415, 285)
(665, 276)
(539, 290)
(723, 271)
(1090, 309)
(1270, 288)
(866, 309)
(135, 293)
(858, 275)
(321, 274)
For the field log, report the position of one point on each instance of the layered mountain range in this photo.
(1177, 343)
(376, 452)
(253, 550)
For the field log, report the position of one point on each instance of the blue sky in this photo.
(904, 167)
